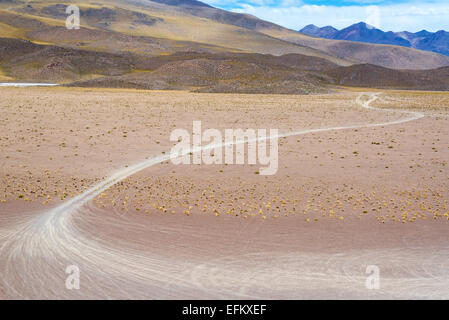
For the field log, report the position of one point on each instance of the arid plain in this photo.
(340, 201)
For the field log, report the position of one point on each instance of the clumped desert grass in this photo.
(415, 100)
(235, 197)
(55, 143)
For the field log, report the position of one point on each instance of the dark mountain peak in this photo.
(437, 42)
(361, 26)
(325, 32)
(309, 28)
(363, 32)
(329, 28)
(423, 33)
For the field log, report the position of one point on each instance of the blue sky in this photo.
(400, 15)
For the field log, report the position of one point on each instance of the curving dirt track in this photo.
(127, 256)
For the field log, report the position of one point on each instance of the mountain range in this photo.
(361, 32)
(190, 45)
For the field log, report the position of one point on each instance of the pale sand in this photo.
(124, 252)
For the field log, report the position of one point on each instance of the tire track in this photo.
(35, 254)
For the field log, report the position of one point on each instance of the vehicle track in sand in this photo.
(36, 252)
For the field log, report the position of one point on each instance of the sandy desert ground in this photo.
(375, 193)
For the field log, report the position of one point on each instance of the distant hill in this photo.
(162, 27)
(437, 42)
(187, 44)
(203, 72)
(367, 75)
(365, 33)
(253, 74)
(327, 32)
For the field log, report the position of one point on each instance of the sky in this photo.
(388, 15)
